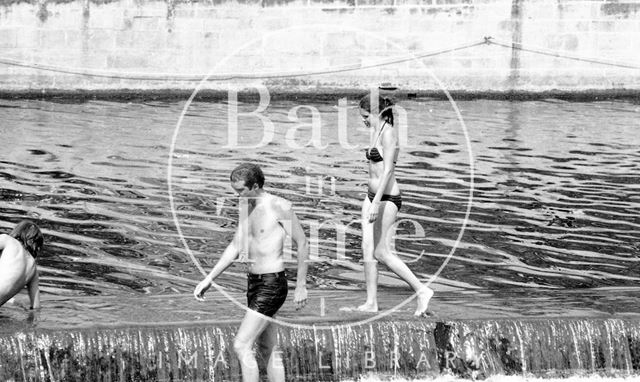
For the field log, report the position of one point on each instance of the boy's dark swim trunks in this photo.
(266, 292)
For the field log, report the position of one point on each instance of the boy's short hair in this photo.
(29, 235)
(249, 173)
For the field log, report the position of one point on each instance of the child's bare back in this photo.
(18, 267)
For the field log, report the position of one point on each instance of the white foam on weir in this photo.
(523, 360)
(488, 348)
(500, 378)
(575, 344)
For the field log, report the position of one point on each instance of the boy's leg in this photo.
(253, 324)
(267, 344)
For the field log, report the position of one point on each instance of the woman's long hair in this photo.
(29, 235)
(385, 107)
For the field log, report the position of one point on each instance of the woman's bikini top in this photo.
(373, 155)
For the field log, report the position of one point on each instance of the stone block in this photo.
(94, 59)
(582, 26)
(190, 38)
(61, 16)
(152, 41)
(127, 59)
(146, 23)
(207, 12)
(337, 43)
(564, 42)
(276, 23)
(275, 3)
(185, 59)
(626, 26)
(104, 17)
(332, 3)
(139, 39)
(241, 42)
(8, 38)
(338, 61)
(124, 39)
(188, 24)
(625, 9)
(157, 59)
(396, 44)
(294, 42)
(611, 44)
(221, 24)
(27, 38)
(169, 61)
(20, 54)
(51, 38)
(613, 26)
(210, 41)
(187, 13)
(389, 3)
(74, 39)
(101, 39)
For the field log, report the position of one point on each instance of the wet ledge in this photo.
(413, 348)
(316, 95)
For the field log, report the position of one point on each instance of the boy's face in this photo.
(242, 190)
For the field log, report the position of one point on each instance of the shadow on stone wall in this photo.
(618, 8)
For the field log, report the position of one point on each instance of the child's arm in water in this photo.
(34, 290)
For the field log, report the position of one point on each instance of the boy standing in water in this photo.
(18, 262)
(261, 233)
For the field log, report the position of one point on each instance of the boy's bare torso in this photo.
(265, 234)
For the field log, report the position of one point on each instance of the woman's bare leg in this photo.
(383, 251)
(370, 264)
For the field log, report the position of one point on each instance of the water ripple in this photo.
(556, 199)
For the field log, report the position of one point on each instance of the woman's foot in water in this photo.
(371, 307)
(424, 295)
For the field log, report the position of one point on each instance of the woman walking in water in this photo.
(382, 203)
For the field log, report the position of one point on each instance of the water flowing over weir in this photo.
(468, 348)
(553, 233)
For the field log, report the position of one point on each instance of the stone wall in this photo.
(319, 44)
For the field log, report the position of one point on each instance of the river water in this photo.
(511, 210)
(553, 218)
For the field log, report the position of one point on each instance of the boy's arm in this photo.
(298, 236)
(230, 253)
(34, 290)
